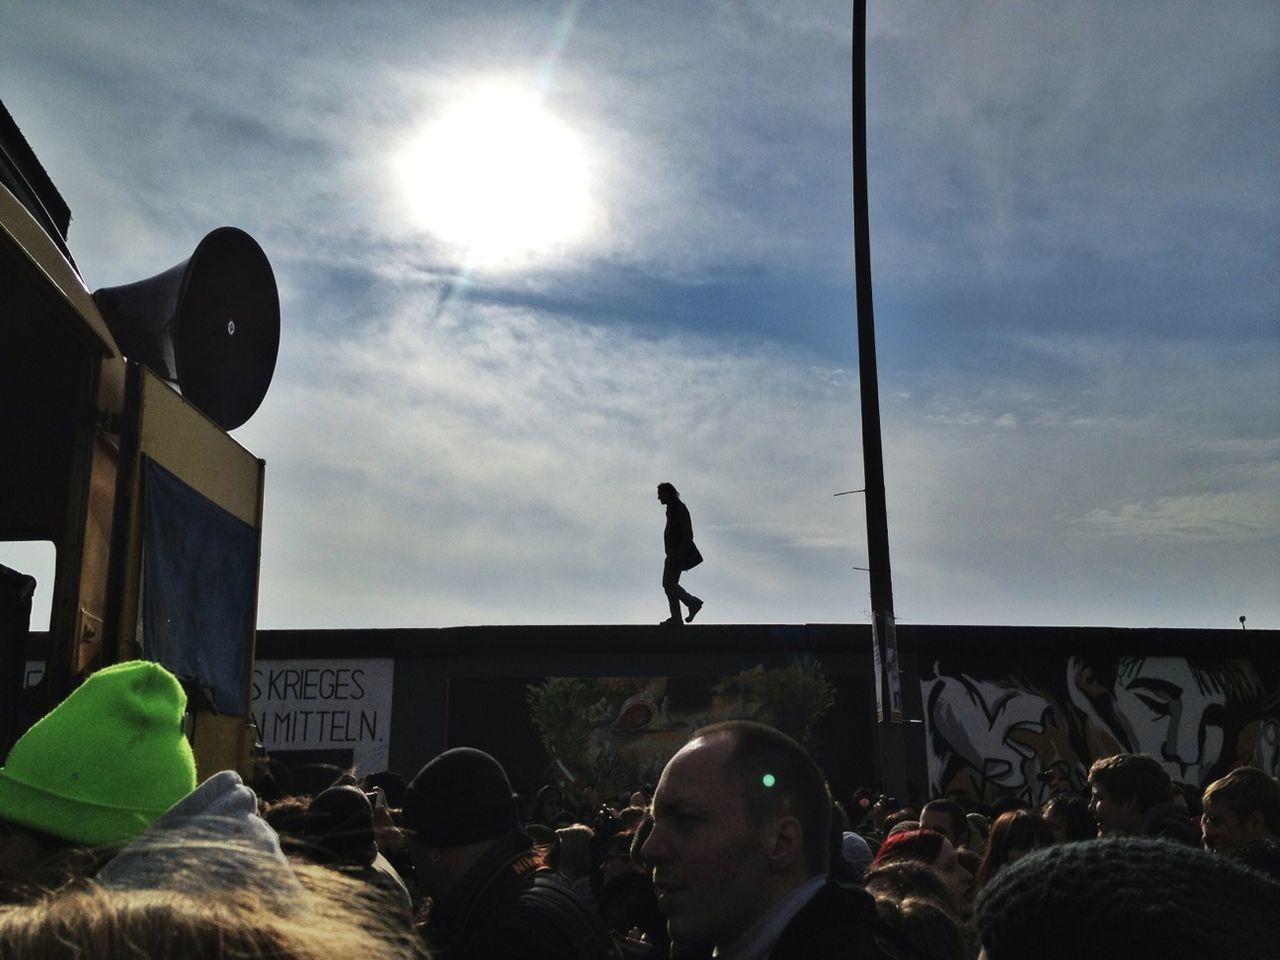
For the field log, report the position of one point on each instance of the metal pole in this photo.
(894, 760)
(872, 454)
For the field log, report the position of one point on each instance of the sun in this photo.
(499, 177)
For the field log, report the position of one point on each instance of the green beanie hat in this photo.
(104, 763)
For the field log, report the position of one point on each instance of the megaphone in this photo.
(211, 325)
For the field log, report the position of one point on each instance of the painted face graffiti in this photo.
(1035, 729)
(1173, 714)
(1172, 708)
(992, 728)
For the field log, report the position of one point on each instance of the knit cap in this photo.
(462, 796)
(105, 762)
(1126, 898)
(855, 850)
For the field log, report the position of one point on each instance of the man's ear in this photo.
(1086, 682)
(1255, 824)
(1132, 806)
(784, 842)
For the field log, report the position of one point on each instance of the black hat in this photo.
(1126, 898)
(462, 796)
(340, 822)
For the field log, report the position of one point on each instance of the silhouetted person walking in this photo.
(682, 555)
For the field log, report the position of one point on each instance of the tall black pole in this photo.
(872, 453)
(893, 754)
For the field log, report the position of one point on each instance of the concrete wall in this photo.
(468, 686)
(989, 709)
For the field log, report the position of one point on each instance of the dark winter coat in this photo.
(509, 905)
(677, 538)
(839, 923)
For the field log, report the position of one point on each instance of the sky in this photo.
(535, 257)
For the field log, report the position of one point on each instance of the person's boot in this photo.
(673, 604)
(694, 606)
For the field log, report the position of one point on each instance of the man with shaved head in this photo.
(739, 854)
(946, 817)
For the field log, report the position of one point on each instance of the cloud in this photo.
(1110, 507)
(1039, 146)
(1236, 516)
(1073, 214)
(717, 137)
(498, 465)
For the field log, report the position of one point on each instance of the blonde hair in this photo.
(330, 915)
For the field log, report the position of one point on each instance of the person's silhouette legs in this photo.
(676, 595)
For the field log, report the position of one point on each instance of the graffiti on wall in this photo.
(998, 729)
(617, 733)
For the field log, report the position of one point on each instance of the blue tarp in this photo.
(200, 567)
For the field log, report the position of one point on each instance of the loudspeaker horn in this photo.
(211, 324)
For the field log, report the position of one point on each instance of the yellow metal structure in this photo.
(78, 419)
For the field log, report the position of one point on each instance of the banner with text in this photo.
(325, 705)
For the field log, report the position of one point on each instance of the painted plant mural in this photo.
(616, 733)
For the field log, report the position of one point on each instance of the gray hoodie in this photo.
(212, 839)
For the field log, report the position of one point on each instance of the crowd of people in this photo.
(109, 848)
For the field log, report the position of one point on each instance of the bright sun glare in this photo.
(500, 177)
